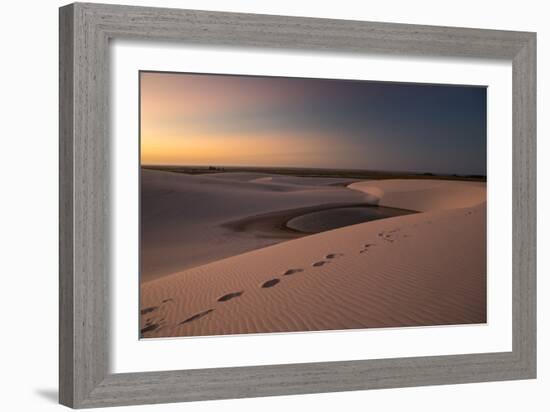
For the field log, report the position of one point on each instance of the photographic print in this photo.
(277, 204)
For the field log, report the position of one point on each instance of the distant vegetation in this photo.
(310, 172)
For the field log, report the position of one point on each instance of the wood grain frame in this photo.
(85, 31)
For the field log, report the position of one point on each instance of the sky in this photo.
(222, 120)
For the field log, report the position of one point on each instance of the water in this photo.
(329, 219)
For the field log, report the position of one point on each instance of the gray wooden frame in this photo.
(85, 31)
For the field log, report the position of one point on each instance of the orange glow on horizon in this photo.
(274, 150)
(180, 124)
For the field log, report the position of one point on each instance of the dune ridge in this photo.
(423, 195)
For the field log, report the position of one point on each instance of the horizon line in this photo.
(316, 168)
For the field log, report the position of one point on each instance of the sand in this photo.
(189, 220)
(423, 195)
(426, 268)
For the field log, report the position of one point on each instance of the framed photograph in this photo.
(255, 205)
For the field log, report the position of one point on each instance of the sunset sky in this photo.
(219, 120)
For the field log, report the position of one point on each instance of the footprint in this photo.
(320, 263)
(333, 255)
(230, 296)
(292, 271)
(366, 247)
(197, 316)
(148, 310)
(388, 236)
(270, 283)
(149, 328)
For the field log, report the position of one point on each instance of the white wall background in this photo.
(28, 209)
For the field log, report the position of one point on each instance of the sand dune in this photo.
(423, 195)
(183, 216)
(293, 181)
(420, 269)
